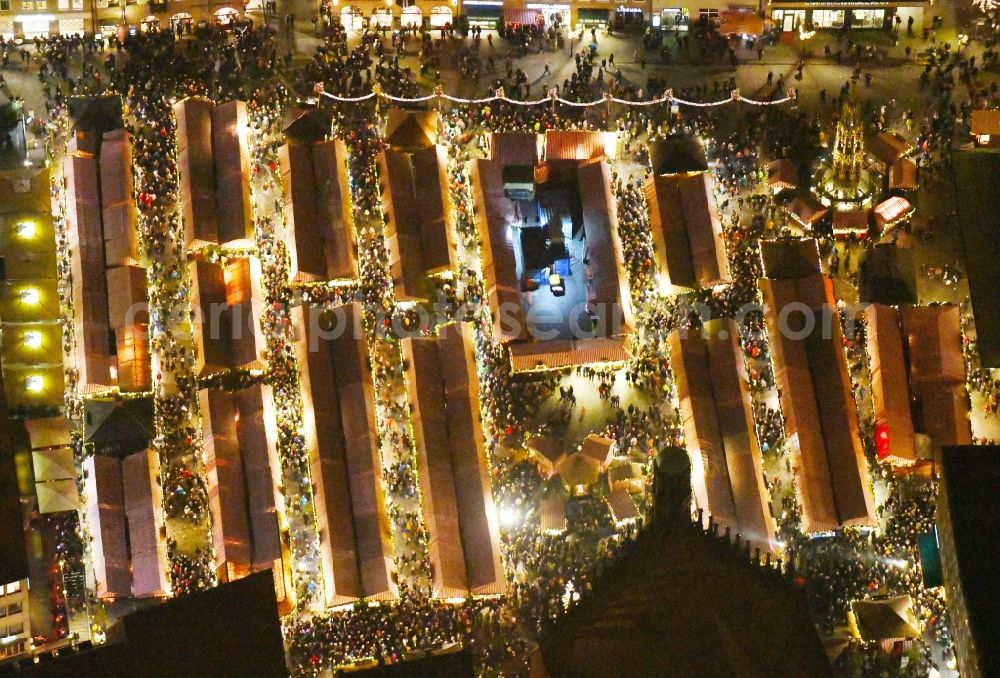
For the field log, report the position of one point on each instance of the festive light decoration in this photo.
(668, 97)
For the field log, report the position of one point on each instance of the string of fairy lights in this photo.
(553, 97)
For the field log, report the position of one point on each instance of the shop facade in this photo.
(58, 17)
(592, 17)
(631, 14)
(487, 14)
(175, 15)
(808, 16)
(681, 15)
(365, 15)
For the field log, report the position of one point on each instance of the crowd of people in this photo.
(150, 70)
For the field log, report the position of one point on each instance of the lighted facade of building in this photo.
(807, 15)
(29, 19)
(29, 304)
(15, 625)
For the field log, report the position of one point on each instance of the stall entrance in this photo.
(412, 16)
(674, 19)
(352, 19)
(789, 19)
(181, 22)
(226, 16)
(441, 17)
(382, 17)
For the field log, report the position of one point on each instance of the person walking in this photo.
(547, 71)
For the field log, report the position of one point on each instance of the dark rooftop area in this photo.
(971, 476)
(978, 204)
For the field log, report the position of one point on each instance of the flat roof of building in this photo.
(978, 204)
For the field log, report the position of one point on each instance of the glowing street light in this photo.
(25, 229)
(33, 339)
(30, 295)
(509, 516)
(34, 383)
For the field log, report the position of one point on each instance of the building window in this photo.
(27, 4)
(15, 630)
(14, 609)
(77, 4)
(868, 18)
(4, 5)
(13, 588)
(62, 4)
(41, 4)
(708, 14)
(828, 18)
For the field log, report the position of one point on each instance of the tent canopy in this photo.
(598, 448)
(573, 145)
(893, 209)
(888, 618)
(622, 505)
(553, 512)
(579, 469)
(789, 258)
(48, 432)
(546, 447)
(851, 221)
(782, 174)
(411, 129)
(677, 153)
(903, 175)
(53, 464)
(806, 211)
(309, 125)
(96, 113)
(889, 147)
(120, 422)
(986, 122)
(57, 496)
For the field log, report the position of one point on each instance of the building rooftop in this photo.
(970, 476)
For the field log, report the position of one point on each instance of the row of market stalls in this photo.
(918, 381)
(814, 389)
(416, 203)
(461, 516)
(727, 478)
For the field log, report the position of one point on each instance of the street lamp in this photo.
(26, 229)
(30, 296)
